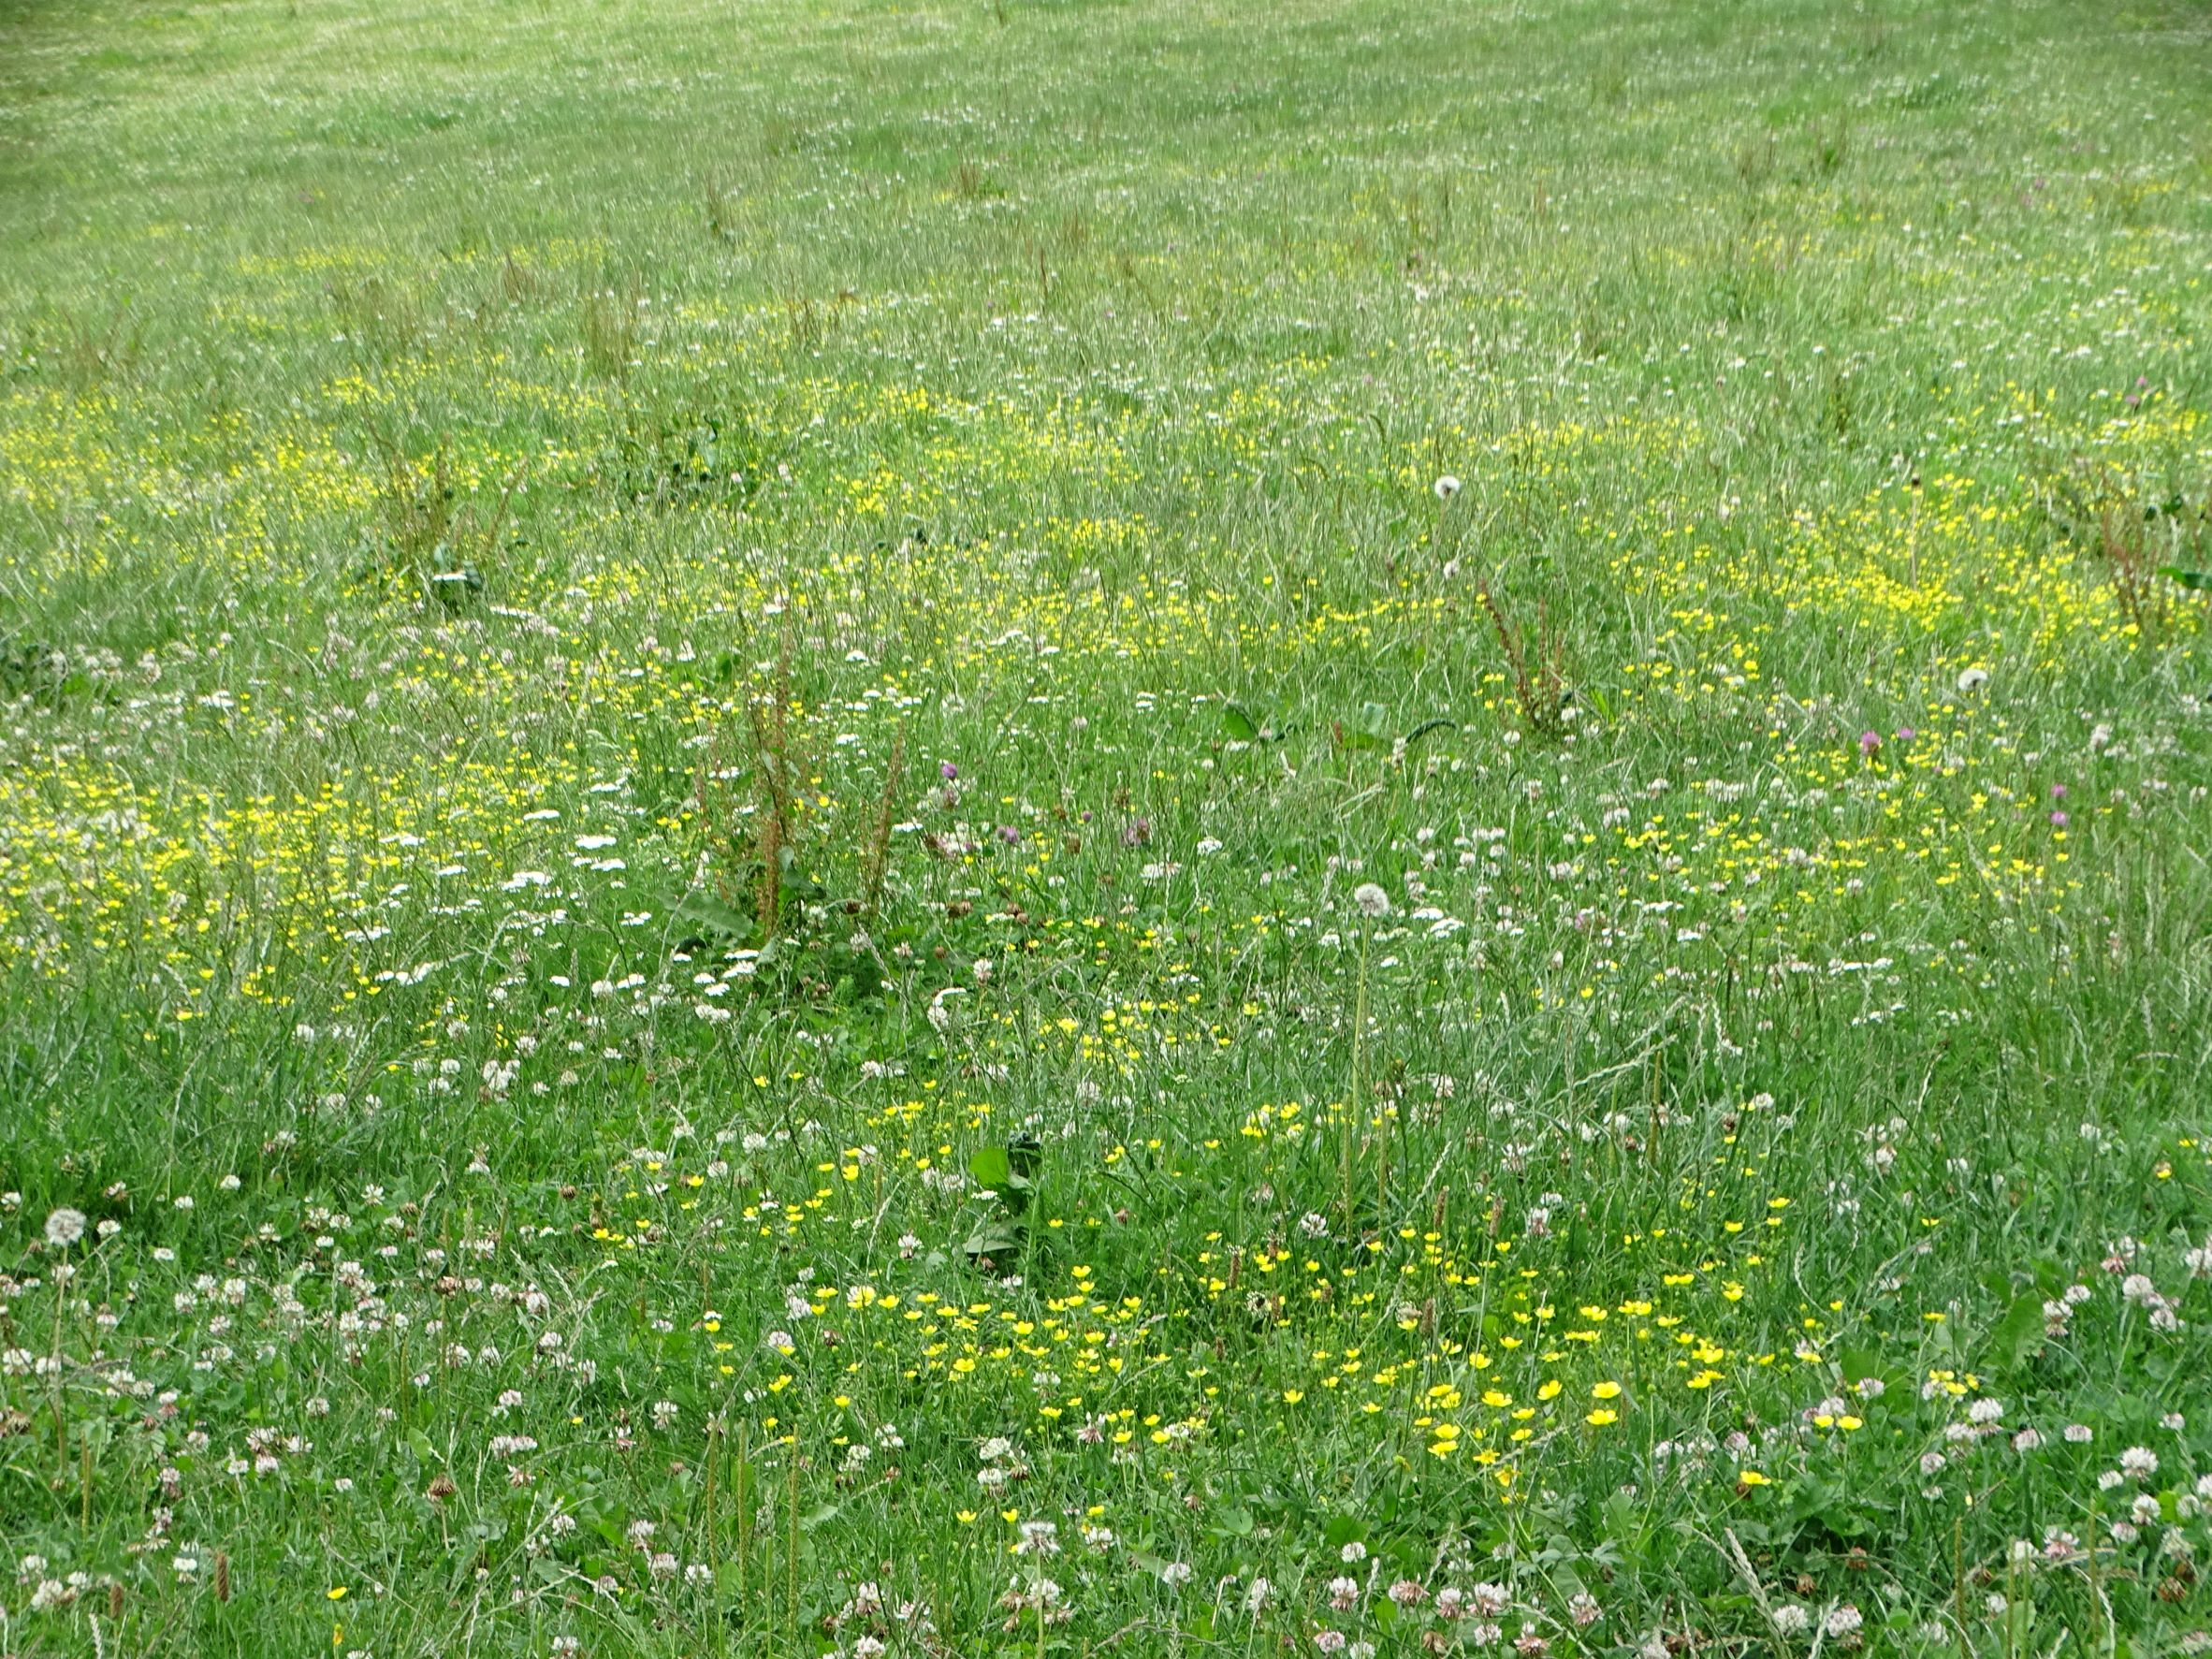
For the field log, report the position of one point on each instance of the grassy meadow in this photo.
(1081, 827)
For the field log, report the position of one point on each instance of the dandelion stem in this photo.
(792, 1600)
(1359, 1067)
(744, 1497)
(2098, 1609)
(1958, 1582)
(61, 1428)
(714, 1433)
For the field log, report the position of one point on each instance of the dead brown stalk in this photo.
(1539, 679)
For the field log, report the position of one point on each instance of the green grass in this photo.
(693, 704)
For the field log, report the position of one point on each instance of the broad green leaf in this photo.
(994, 1239)
(706, 913)
(2019, 1334)
(991, 1167)
(1858, 1364)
